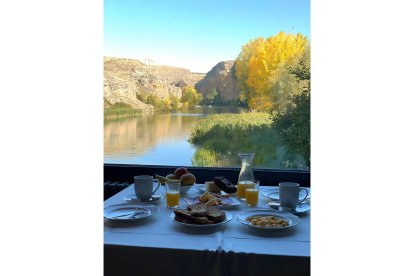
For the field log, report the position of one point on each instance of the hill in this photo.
(124, 79)
(222, 78)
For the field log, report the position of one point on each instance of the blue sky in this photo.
(196, 34)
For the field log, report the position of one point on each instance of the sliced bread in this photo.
(215, 214)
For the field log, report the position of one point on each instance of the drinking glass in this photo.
(173, 193)
(252, 193)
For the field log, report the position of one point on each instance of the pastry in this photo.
(225, 185)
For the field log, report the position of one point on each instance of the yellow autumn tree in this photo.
(242, 64)
(259, 63)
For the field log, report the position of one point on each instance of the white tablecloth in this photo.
(157, 245)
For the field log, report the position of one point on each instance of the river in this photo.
(156, 139)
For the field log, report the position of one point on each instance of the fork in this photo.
(132, 215)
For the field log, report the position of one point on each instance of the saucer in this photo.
(300, 209)
(133, 199)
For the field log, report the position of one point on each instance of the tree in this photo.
(260, 63)
(294, 118)
(175, 102)
(284, 87)
(211, 96)
(190, 96)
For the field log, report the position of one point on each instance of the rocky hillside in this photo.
(124, 79)
(221, 77)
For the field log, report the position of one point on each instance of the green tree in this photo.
(175, 102)
(284, 87)
(293, 116)
(211, 96)
(190, 96)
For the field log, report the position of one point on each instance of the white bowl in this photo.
(184, 189)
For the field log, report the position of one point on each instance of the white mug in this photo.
(143, 185)
(289, 194)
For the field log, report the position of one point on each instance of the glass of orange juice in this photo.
(251, 193)
(173, 193)
(242, 186)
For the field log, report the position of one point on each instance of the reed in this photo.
(230, 126)
(119, 110)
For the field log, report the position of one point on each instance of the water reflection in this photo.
(154, 138)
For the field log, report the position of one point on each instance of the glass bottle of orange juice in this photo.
(246, 175)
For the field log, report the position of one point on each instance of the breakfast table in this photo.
(157, 245)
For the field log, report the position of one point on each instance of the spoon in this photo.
(277, 206)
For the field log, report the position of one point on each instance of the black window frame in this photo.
(267, 177)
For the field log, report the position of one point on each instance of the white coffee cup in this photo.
(143, 185)
(289, 194)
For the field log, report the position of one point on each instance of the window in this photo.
(190, 83)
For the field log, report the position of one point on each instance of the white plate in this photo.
(228, 218)
(125, 212)
(203, 189)
(233, 202)
(133, 199)
(300, 209)
(274, 194)
(292, 219)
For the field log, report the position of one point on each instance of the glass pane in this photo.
(199, 89)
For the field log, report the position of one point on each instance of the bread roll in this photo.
(212, 187)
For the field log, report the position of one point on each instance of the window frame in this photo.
(267, 177)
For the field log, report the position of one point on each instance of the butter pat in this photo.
(213, 202)
(210, 186)
(205, 197)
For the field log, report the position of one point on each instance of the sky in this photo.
(196, 35)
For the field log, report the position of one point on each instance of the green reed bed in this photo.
(227, 125)
(220, 137)
(119, 110)
(205, 157)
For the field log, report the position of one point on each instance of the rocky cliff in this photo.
(222, 78)
(124, 79)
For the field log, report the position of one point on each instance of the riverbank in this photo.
(120, 110)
